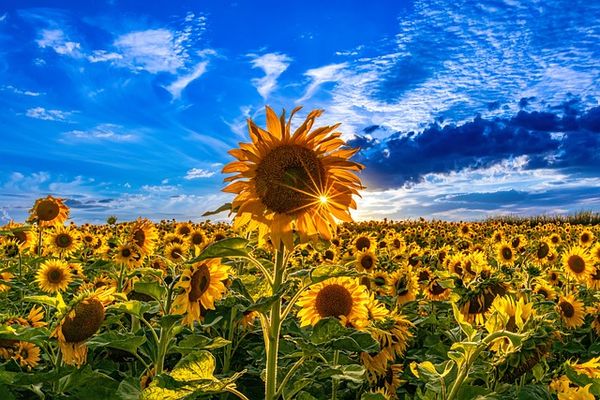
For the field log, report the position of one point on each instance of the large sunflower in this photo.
(81, 321)
(366, 261)
(287, 182)
(53, 276)
(48, 211)
(343, 298)
(572, 311)
(202, 285)
(578, 263)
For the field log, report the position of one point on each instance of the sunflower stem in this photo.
(334, 381)
(274, 327)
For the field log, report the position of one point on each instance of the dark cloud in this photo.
(566, 138)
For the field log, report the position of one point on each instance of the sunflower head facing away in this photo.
(288, 181)
(48, 211)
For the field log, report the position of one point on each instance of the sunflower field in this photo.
(287, 303)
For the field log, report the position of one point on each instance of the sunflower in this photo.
(330, 255)
(293, 181)
(5, 277)
(404, 284)
(144, 235)
(435, 291)
(380, 282)
(541, 251)
(580, 393)
(363, 242)
(53, 276)
(366, 261)
(505, 254)
(175, 252)
(343, 298)
(63, 241)
(393, 335)
(506, 313)
(183, 229)
(27, 355)
(377, 310)
(202, 285)
(590, 368)
(80, 322)
(544, 289)
(390, 380)
(571, 311)
(396, 242)
(586, 237)
(23, 235)
(197, 239)
(476, 304)
(48, 211)
(9, 249)
(129, 255)
(577, 263)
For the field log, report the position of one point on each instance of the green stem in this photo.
(334, 381)
(120, 282)
(163, 343)
(274, 328)
(229, 348)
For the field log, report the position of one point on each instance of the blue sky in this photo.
(462, 109)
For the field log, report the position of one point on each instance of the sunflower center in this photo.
(511, 325)
(389, 376)
(543, 250)
(507, 253)
(63, 240)
(12, 250)
(544, 293)
(585, 237)
(333, 301)
(199, 284)
(576, 264)
(20, 237)
(402, 286)
(287, 178)
(397, 244)
(126, 253)
(139, 237)
(87, 320)
(436, 289)
(366, 262)
(47, 210)
(329, 255)
(197, 239)
(362, 243)
(55, 276)
(567, 309)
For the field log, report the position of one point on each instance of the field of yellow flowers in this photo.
(284, 303)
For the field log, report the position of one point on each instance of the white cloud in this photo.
(47, 115)
(273, 65)
(159, 188)
(103, 56)
(182, 82)
(56, 40)
(198, 173)
(3, 17)
(153, 50)
(101, 133)
(318, 76)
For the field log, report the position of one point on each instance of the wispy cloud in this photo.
(198, 173)
(103, 56)
(273, 65)
(182, 82)
(48, 115)
(101, 133)
(16, 90)
(57, 40)
(3, 17)
(321, 75)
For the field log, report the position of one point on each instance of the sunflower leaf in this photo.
(122, 341)
(47, 300)
(224, 207)
(231, 247)
(152, 289)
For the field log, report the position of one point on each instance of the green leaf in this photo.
(123, 341)
(167, 321)
(326, 330)
(582, 380)
(38, 336)
(129, 389)
(224, 207)
(352, 372)
(231, 247)
(199, 342)
(133, 307)
(152, 289)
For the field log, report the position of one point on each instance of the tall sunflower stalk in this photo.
(290, 188)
